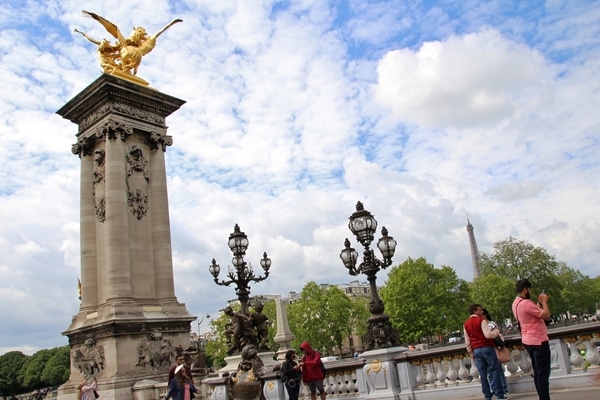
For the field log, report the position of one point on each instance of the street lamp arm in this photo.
(223, 282)
(259, 278)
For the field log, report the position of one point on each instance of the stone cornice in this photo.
(112, 95)
(122, 328)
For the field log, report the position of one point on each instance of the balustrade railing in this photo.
(447, 371)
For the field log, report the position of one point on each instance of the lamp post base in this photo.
(380, 333)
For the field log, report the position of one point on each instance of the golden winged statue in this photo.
(125, 56)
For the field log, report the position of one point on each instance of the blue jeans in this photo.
(488, 366)
(502, 379)
(540, 363)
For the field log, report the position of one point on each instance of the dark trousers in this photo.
(293, 391)
(540, 362)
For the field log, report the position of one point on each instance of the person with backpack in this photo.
(313, 371)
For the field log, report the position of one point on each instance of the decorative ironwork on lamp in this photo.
(243, 274)
(380, 333)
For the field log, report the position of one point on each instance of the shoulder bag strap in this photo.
(517, 313)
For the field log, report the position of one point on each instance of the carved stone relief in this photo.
(113, 130)
(117, 108)
(137, 182)
(89, 358)
(84, 146)
(110, 129)
(99, 185)
(157, 139)
(155, 353)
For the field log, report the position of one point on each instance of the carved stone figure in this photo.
(89, 359)
(241, 331)
(99, 185)
(260, 321)
(137, 182)
(156, 353)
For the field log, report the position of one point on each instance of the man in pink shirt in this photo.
(534, 334)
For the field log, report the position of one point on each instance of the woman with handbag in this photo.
(181, 386)
(291, 375)
(501, 348)
(87, 389)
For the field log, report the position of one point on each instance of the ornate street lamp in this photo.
(243, 274)
(380, 333)
(200, 341)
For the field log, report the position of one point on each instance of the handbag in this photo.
(503, 354)
(96, 395)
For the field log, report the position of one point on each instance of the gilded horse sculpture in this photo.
(125, 56)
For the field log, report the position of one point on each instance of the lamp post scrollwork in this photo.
(380, 333)
(200, 343)
(243, 328)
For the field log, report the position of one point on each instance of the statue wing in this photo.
(157, 34)
(148, 45)
(109, 26)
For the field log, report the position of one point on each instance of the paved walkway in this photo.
(586, 393)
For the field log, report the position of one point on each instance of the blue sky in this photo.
(425, 111)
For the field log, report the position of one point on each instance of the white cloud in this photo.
(478, 79)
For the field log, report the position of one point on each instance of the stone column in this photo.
(130, 323)
(161, 231)
(89, 272)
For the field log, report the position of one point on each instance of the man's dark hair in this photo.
(473, 308)
(522, 284)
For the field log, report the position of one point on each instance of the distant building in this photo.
(351, 289)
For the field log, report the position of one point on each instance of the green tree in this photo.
(423, 301)
(580, 292)
(323, 317)
(216, 348)
(495, 293)
(359, 315)
(10, 366)
(57, 369)
(31, 370)
(517, 259)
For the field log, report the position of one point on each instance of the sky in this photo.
(429, 112)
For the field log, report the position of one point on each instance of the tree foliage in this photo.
(580, 293)
(324, 317)
(57, 369)
(423, 301)
(20, 373)
(495, 293)
(516, 259)
(10, 366)
(33, 367)
(569, 289)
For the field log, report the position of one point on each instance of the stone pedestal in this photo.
(234, 361)
(129, 322)
(379, 375)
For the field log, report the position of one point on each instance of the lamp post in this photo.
(380, 333)
(243, 274)
(199, 320)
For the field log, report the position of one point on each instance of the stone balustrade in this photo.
(445, 372)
